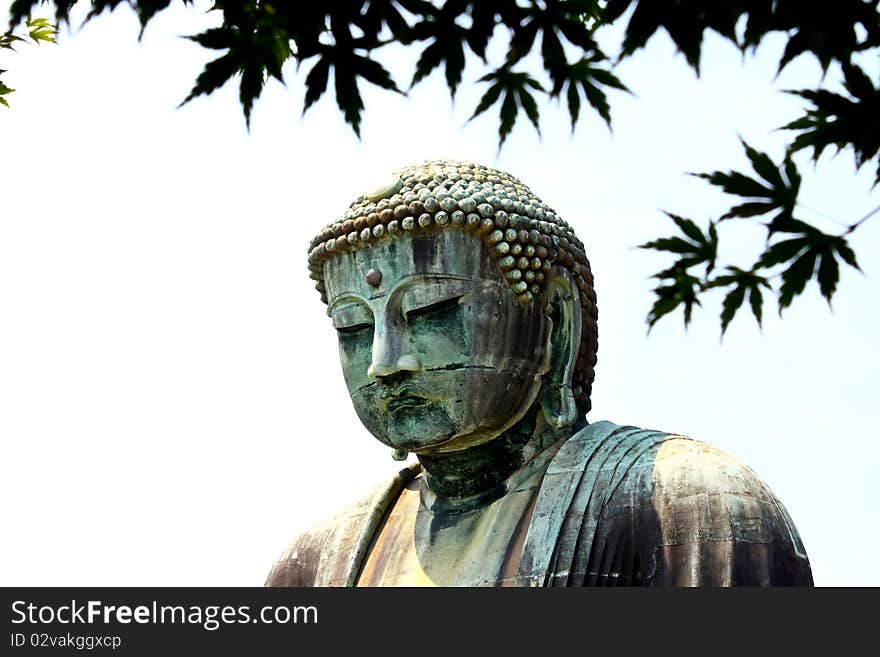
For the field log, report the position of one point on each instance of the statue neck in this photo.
(476, 476)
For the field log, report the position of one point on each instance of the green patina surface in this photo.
(485, 375)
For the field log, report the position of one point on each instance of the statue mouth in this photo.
(400, 403)
(404, 397)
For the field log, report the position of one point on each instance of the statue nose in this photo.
(383, 368)
(391, 353)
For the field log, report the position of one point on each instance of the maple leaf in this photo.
(681, 290)
(835, 120)
(775, 191)
(682, 287)
(699, 248)
(515, 87)
(684, 21)
(256, 46)
(3, 91)
(811, 253)
(347, 68)
(443, 27)
(584, 77)
(742, 282)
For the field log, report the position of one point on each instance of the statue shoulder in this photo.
(683, 466)
(330, 553)
(621, 503)
(299, 563)
(717, 522)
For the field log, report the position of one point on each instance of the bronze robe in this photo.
(617, 506)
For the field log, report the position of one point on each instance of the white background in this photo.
(172, 411)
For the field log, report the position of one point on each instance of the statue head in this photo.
(464, 307)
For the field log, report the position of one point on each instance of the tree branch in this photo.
(862, 220)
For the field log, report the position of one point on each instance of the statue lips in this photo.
(393, 399)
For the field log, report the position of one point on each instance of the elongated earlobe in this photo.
(563, 310)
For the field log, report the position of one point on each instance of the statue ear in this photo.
(562, 308)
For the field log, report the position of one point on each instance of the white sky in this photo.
(172, 411)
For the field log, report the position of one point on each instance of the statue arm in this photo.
(332, 553)
(713, 522)
(298, 565)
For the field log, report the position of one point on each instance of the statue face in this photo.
(439, 355)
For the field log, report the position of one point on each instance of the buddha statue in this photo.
(467, 328)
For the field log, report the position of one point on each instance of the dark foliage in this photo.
(345, 38)
(795, 252)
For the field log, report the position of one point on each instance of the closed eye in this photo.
(354, 328)
(442, 306)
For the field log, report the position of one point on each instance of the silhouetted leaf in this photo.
(21, 10)
(741, 283)
(6, 40)
(730, 305)
(684, 21)
(700, 248)
(573, 19)
(737, 183)
(756, 301)
(147, 10)
(828, 275)
(835, 120)
(521, 42)
(348, 96)
(483, 21)
(553, 54)
(216, 38)
(508, 116)
(527, 102)
(781, 252)
(811, 253)
(215, 74)
(515, 86)
(671, 244)
(811, 28)
(489, 98)
(776, 191)
(447, 47)
(387, 13)
(614, 9)
(4, 90)
(584, 76)
(848, 255)
(257, 45)
(346, 72)
(250, 88)
(559, 18)
(688, 227)
(431, 58)
(794, 279)
(316, 82)
(681, 290)
(347, 68)
(100, 6)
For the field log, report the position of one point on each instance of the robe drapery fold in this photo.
(617, 505)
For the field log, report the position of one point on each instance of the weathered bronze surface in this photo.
(467, 334)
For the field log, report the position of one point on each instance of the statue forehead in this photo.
(526, 238)
(377, 268)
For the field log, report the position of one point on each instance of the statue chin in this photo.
(424, 428)
(447, 410)
(418, 428)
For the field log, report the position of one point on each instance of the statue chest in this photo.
(479, 547)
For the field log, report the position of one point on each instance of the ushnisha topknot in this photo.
(526, 238)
